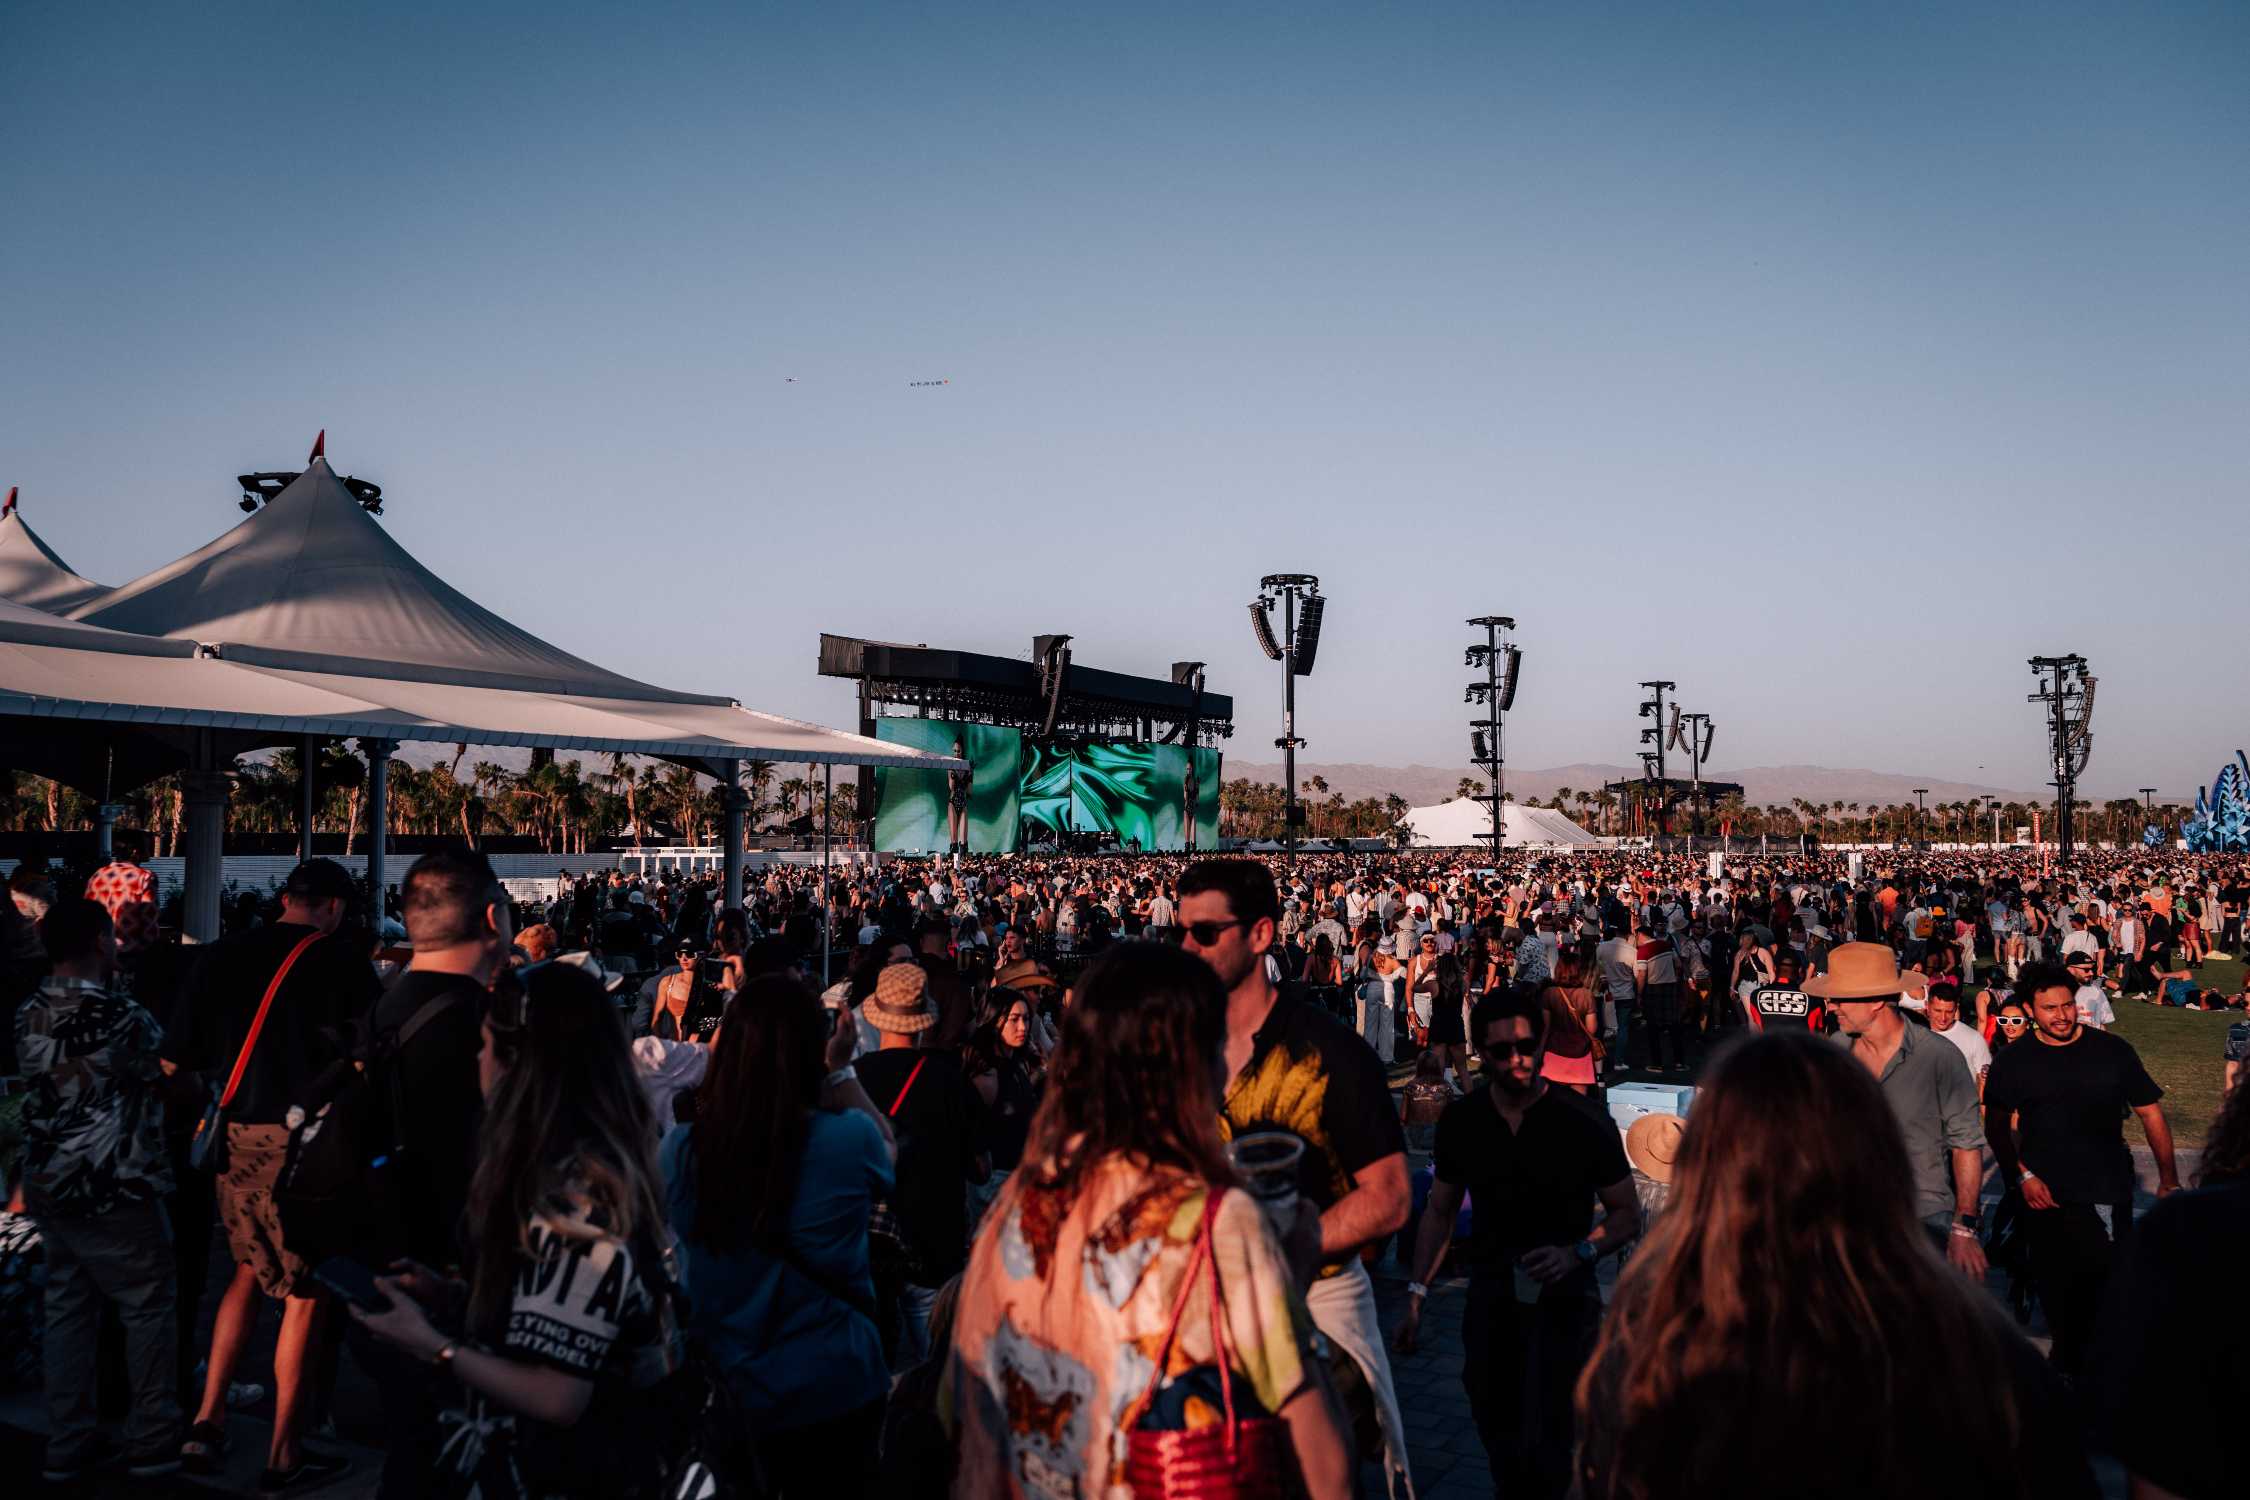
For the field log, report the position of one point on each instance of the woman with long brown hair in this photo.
(770, 1190)
(1083, 1267)
(1788, 1327)
(1573, 1021)
(562, 1333)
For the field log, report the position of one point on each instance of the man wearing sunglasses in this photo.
(1293, 1067)
(1535, 1159)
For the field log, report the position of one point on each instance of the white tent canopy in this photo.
(31, 573)
(1464, 821)
(307, 620)
(311, 582)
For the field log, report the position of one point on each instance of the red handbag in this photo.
(1238, 1459)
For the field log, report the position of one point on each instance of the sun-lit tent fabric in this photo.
(311, 582)
(1464, 821)
(31, 573)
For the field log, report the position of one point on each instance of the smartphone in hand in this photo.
(353, 1282)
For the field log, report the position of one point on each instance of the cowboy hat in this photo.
(1858, 971)
(1025, 974)
(898, 1005)
(1652, 1145)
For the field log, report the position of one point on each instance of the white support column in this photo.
(730, 835)
(203, 798)
(378, 820)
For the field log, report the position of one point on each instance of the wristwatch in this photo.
(1587, 1252)
(1969, 1221)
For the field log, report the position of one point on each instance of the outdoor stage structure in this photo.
(1058, 754)
(1651, 799)
(308, 623)
(2067, 689)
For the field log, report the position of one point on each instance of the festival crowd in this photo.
(1066, 1177)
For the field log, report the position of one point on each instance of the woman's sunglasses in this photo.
(2013, 1023)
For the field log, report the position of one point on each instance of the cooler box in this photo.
(1629, 1101)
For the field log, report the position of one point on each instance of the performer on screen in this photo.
(1188, 788)
(957, 801)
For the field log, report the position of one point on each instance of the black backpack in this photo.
(337, 1190)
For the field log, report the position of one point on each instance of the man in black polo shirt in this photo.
(1535, 1159)
(1293, 1067)
(2053, 1107)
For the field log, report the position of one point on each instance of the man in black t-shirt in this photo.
(936, 1113)
(326, 986)
(2053, 1106)
(1534, 1158)
(1292, 1067)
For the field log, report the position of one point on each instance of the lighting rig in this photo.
(1691, 734)
(1652, 708)
(262, 486)
(1500, 662)
(1301, 609)
(2067, 688)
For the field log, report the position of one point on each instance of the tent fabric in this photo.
(1464, 821)
(311, 582)
(31, 573)
(23, 625)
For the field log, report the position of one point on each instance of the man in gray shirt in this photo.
(1927, 1082)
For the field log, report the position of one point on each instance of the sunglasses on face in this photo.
(1528, 1048)
(2013, 1023)
(1207, 933)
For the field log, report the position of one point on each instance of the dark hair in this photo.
(1502, 1004)
(2226, 1150)
(569, 1113)
(2034, 977)
(769, 955)
(444, 895)
(319, 880)
(1789, 1266)
(1247, 885)
(753, 1113)
(73, 929)
(1134, 1072)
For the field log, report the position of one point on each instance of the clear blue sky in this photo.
(1828, 359)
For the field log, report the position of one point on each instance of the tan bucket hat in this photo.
(898, 1005)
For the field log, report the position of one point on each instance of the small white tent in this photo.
(1464, 821)
(31, 573)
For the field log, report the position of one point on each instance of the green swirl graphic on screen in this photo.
(1028, 792)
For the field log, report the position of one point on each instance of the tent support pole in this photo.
(378, 822)
(827, 897)
(308, 755)
(105, 828)
(730, 845)
(203, 805)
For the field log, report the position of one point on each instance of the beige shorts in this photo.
(246, 1208)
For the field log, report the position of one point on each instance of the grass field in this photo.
(2180, 1049)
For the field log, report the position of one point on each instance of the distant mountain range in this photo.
(1761, 785)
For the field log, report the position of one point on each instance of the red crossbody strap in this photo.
(907, 1087)
(242, 1058)
(1203, 1253)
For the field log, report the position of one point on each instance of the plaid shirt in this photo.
(93, 1121)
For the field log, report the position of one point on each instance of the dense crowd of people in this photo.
(1065, 1176)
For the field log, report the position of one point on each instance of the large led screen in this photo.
(910, 805)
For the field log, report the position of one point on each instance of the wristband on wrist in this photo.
(1417, 1289)
(1963, 1232)
(840, 1077)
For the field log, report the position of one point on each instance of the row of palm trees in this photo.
(1257, 810)
(563, 804)
(2119, 820)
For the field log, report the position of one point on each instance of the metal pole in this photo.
(730, 832)
(827, 902)
(308, 754)
(1492, 695)
(1289, 717)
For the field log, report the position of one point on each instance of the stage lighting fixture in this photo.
(1308, 633)
(1261, 621)
(1508, 678)
(1481, 750)
(1707, 732)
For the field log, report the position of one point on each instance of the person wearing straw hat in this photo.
(1929, 1087)
(924, 1092)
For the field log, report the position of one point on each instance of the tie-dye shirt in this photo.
(1064, 1310)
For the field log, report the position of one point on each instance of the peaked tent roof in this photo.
(312, 583)
(31, 573)
(1465, 821)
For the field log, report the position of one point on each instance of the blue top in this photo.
(793, 1352)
